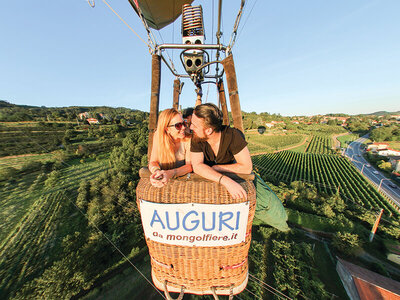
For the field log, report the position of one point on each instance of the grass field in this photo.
(270, 143)
(395, 145)
(19, 160)
(17, 197)
(36, 216)
(345, 139)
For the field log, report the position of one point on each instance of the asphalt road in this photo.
(354, 151)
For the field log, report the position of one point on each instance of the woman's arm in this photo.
(153, 159)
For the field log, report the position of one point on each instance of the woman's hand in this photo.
(156, 179)
(161, 177)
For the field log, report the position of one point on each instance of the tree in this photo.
(385, 166)
(347, 243)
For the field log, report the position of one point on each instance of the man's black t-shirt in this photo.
(232, 142)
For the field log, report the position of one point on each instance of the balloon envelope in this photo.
(261, 129)
(159, 13)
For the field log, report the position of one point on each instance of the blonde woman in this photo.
(170, 155)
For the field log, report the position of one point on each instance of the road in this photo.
(354, 151)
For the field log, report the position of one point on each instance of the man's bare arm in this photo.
(243, 163)
(200, 168)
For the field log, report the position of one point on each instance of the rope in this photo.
(270, 287)
(150, 35)
(248, 16)
(91, 3)
(253, 294)
(126, 24)
(170, 60)
(235, 27)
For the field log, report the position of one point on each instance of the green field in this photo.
(329, 173)
(395, 145)
(320, 145)
(346, 139)
(20, 160)
(17, 197)
(270, 143)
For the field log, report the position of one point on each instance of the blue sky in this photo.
(292, 57)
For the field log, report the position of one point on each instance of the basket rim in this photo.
(144, 172)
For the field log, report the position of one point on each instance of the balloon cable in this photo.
(126, 23)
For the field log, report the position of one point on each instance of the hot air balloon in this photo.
(198, 236)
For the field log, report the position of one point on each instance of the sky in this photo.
(292, 57)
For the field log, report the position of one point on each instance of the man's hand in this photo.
(234, 188)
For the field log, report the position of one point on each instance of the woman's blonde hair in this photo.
(165, 142)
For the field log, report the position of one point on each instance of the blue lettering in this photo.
(204, 221)
(223, 221)
(156, 218)
(237, 220)
(193, 222)
(177, 221)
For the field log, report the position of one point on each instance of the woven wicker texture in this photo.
(198, 268)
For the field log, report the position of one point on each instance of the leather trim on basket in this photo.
(234, 266)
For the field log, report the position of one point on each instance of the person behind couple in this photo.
(217, 148)
(170, 155)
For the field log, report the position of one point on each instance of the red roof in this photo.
(371, 285)
(370, 291)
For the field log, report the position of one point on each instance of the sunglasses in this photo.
(178, 126)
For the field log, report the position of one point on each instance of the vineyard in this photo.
(25, 251)
(320, 145)
(269, 143)
(17, 197)
(330, 174)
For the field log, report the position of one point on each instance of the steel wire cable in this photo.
(247, 18)
(236, 25)
(258, 297)
(109, 6)
(170, 60)
(270, 287)
(103, 234)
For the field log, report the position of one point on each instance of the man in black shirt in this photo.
(216, 148)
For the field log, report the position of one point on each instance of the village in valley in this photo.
(336, 175)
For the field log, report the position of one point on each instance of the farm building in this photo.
(362, 284)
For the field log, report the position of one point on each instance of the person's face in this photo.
(188, 121)
(198, 129)
(176, 127)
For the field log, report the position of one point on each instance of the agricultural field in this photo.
(19, 195)
(17, 140)
(320, 145)
(25, 251)
(18, 161)
(347, 139)
(270, 143)
(329, 173)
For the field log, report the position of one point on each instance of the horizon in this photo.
(248, 112)
(309, 58)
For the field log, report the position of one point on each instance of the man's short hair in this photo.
(187, 112)
(211, 115)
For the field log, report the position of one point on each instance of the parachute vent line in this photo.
(91, 3)
(192, 20)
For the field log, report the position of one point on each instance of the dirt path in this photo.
(336, 142)
(287, 148)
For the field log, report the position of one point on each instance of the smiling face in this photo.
(174, 132)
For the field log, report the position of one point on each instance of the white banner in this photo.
(195, 224)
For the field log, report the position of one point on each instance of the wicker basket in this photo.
(198, 270)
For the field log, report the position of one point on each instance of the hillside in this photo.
(71, 219)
